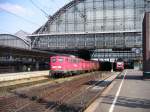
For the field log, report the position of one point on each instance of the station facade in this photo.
(109, 29)
(16, 55)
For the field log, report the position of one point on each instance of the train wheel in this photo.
(78, 72)
(70, 73)
(51, 75)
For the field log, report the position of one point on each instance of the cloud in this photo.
(15, 9)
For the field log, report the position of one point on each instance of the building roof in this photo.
(13, 36)
(23, 35)
(60, 11)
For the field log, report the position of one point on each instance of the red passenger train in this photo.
(64, 65)
(119, 65)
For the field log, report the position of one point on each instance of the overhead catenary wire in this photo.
(19, 17)
(47, 15)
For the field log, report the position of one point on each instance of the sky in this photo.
(24, 15)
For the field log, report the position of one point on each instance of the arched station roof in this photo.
(58, 13)
(12, 40)
(95, 16)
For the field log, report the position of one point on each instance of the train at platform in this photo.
(63, 65)
(67, 65)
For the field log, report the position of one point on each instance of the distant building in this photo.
(16, 54)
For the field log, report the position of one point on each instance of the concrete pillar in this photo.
(136, 65)
(112, 68)
(146, 45)
(37, 66)
(24, 68)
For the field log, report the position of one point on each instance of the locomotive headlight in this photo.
(59, 67)
(53, 66)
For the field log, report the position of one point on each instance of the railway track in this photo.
(81, 100)
(7, 86)
(68, 96)
(52, 88)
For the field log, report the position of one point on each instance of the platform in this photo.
(127, 93)
(22, 75)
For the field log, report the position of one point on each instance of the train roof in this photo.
(65, 55)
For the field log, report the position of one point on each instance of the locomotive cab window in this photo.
(74, 60)
(67, 60)
(70, 60)
(53, 60)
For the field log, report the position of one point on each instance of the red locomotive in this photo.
(64, 65)
(119, 65)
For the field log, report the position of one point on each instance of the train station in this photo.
(86, 56)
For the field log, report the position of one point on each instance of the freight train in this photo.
(62, 65)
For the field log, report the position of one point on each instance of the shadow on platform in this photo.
(128, 102)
